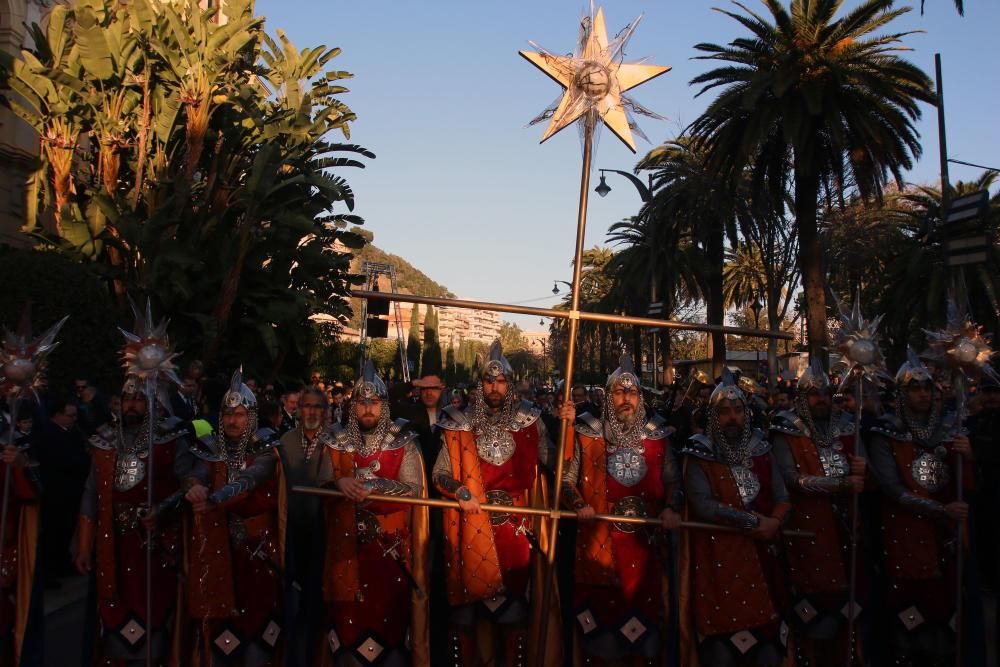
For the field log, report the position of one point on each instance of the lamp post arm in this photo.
(644, 192)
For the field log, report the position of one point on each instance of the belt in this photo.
(629, 506)
(127, 516)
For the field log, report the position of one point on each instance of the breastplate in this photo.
(746, 482)
(130, 470)
(627, 466)
(930, 471)
(495, 446)
(833, 461)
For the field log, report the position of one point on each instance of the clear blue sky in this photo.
(461, 187)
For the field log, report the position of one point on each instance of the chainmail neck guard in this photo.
(731, 454)
(925, 431)
(820, 432)
(621, 433)
(367, 443)
(235, 453)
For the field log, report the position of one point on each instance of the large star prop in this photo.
(594, 79)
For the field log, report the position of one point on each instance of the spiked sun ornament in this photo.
(594, 79)
(23, 356)
(857, 341)
(147, 354)
(961, 346)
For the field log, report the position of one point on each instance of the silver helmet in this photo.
(496, 364)
(624, 375)
(370, 385)
(813, 378)
(727, 390)
(912, 371)
(239, 394)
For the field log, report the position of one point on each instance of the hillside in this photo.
(409, 279)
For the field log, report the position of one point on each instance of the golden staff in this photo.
(534, 511)
(574, 315)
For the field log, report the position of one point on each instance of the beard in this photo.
(367, 422)
(494, 400)
(820, 412)
(625, 414)
(312, 423)
(732, 433)
(132, 418)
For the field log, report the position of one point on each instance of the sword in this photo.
(392, 550)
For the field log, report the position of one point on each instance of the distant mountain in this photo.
(409, 279)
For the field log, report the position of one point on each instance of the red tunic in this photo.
(382, 607)
(15, 568)
(637, 567)
(121, 539)
(236, 585)
(817, 566)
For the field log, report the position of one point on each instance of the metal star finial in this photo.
(961, 345)
(147, 353)
(857, 340)
(594, 80)
(23, 357)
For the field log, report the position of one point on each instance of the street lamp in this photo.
(645, 192)
(555, 287)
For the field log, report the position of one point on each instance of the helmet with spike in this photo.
(624, 375)
(369, 385)
(496, 363)
(22, 357)
(813, 378)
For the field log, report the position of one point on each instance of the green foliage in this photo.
(194, 162)
(512, 338)
(57, 286)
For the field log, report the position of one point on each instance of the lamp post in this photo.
(646, 195)
(756, 307)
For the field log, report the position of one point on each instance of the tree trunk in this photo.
(716, 308)
(227, 295)
(811, 263)
(773, 324)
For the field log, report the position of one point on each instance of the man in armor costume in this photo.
(732, 591)
(375, 579)
(815, 447)
(20, 598)
(234, 554)
(112, 529)
(622, 464)
(913, 456)
(490, 455)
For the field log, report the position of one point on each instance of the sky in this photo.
(461, 187)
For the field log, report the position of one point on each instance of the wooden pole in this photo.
(535, 511)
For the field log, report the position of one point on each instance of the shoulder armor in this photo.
(525, 415)
(107, 432)
(588, 425)
(100, 442)
(891, 426)
(206, 449)
(657, 428)
(845, 425)
(398, 435)
(170, 429)
(699, 446)
(336, 438)
(453, 419)
(788, 422)
(267, 434)
(261, 445)
(759, 445)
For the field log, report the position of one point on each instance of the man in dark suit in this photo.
(183, 401)
(61, 452)
(423, 416)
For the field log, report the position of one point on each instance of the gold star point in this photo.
(594, 80)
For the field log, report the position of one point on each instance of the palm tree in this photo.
(688, 201)
(829, 95)
(652, 264)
